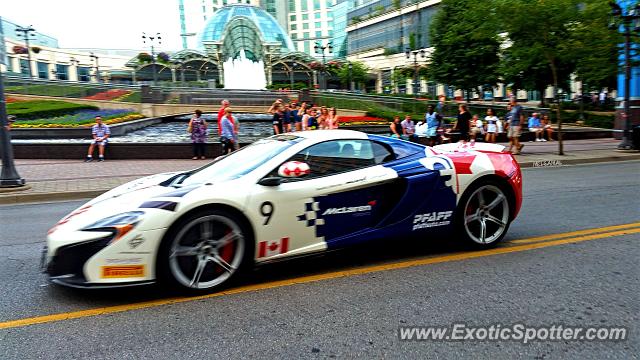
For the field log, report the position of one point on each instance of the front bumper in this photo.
(66, 266)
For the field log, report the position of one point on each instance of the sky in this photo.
(106, 24)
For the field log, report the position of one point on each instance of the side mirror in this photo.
(270, 181)
(294, 169)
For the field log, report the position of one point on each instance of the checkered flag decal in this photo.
(311, 215)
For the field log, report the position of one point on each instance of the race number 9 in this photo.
(266, 209)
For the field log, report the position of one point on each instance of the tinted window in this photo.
(336, 156)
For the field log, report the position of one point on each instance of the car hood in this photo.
(124, 198)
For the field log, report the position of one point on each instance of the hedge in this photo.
(26, 110)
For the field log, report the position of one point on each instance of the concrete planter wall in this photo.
(83, 132)
(113, 151)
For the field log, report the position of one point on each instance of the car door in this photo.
(342, 195)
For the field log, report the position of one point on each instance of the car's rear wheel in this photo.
(484, 214)
(204, 251)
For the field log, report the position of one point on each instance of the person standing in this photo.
(432, 121)
(198, 129)
(225, 104)
(492, 126)
(516, 117)
(228, 136)
(278, 121)
(462, 123)
(287, 118)
(100, 133)
(300, 116)
(323, 118)
(332, 120)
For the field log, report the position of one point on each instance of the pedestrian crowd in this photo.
(291, 117)
(471, 127)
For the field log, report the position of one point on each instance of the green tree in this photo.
(466, 44)
(596, 46)
(545, 40)
(358, 73)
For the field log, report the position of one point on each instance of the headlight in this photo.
(119, 224)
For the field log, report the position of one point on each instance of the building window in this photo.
(10, 67)
(24, 67)
(318, 25)
(305, 16)
(62, 72)
(43, 70)
(305, 26)
(83, 73)
(294, 36)
(292, 6)
(294, 27)
(293, 18)
(330, 33)
(304, 6)
(305, 35)
(317, 15)
(307, 47)
(318, 34)
(316, 4)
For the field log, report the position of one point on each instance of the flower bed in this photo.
(81, 119)
(361, 120)
(109, 95)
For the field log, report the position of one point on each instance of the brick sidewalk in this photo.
(72, 179)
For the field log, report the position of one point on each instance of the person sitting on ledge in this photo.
(100, 133)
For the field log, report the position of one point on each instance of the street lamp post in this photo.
(415, 53)
(630, 21)
(25, 32)
(152, 40)
(9, 176)
(95, 57)
(350, 67)
(319, 48)
(291, 69)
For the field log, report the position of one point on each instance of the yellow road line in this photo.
(574, 233)
(307, 279)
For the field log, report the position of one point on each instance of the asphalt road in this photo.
(586, 283)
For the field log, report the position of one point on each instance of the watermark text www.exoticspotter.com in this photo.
(516, 332)
(547, 163)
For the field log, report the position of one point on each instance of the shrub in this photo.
(25, 110)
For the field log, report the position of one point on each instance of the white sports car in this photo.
(281, 197)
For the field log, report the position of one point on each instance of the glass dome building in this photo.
(244, 27)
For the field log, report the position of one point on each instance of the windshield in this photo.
(241, 162)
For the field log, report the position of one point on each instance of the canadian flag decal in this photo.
(271, 248)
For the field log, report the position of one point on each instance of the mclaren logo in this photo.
(350, 209)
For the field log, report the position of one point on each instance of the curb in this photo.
(531, 164)
(14, 199)
(52, 196)
(15, 189)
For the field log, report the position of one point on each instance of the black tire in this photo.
(486, 203)
(204, 251)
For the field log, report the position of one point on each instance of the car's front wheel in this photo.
(484, 214)
(204, 251)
